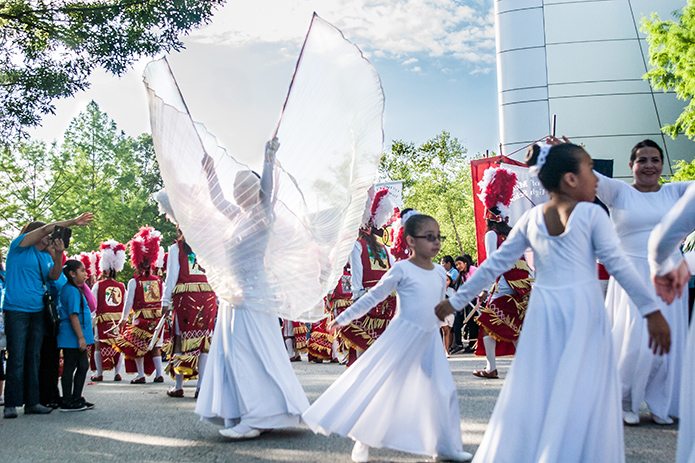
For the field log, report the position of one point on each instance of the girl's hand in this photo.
(556, 141)
(670, 286)
(443, 309)
(659, 333)
(83, 345)
(271, 148)
(84, 219)
(333, 326)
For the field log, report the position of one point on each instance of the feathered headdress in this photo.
(145, 245)
(496, 190)
(89, 260)
(400, 249)
(112, 256)
(379, 210)
(160, 258)
(164, 205)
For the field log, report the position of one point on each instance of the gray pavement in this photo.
(139, 423)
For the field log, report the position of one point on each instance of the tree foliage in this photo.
(437, 181)
(97, 169)
(49, 49)
(672, 56)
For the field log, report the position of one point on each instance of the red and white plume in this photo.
(89, 260)
(160, 259)
(112, 256)
(379, 210)
(145, 245)
(496, 190)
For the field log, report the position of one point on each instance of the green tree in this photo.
(49, 49)
(672, 57)
(436, 181)
(683, 171)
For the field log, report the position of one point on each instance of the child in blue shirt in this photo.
(74, 335)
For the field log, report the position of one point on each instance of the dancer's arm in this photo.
(172, 276)
(130, 298)
(216, 193)
(271, 149)
(664, 258)
(356, 270)
(378, 293)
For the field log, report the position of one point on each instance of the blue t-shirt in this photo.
(24, 287)
(73, 301)
(2, 287)
(453, 274)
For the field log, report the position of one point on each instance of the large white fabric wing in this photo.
(284, 252)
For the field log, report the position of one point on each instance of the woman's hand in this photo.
(670, 285)
(659, 333)
(83, 345)
(84, 219)
(333, 326)
(271, 148)
(443, 309)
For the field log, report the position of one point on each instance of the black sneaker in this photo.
(88, 405)
(73, 407)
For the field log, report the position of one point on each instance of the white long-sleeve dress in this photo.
(400, 393)
(663, 242)
(561, 399)
(248, 376)
(644, 376)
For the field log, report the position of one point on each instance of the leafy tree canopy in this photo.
(672, 56)
(437, 181)
(49, 48)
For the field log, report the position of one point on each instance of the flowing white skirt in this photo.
(686, 425)
(561, 399)
(248, 376)
(646, 377)
(399, 394)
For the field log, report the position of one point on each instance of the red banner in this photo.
(478, 167)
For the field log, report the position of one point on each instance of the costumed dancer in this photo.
(503, 316)
(369, 262)
(671, 273)
(142, 309)
(273, 246)
(400, 393)
(323, 345)
(635, 210)
(110, 296)
(560, 401)
(294, 335)
(190, 297)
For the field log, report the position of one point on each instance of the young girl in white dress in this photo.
(561, 398)
(400, 393)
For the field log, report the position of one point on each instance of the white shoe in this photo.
(232, 434)
(360, 453)
(664, 421)
(631, 418)
(460, 456)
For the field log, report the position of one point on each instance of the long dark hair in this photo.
(370, 237)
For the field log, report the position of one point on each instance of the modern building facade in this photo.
(583, 61)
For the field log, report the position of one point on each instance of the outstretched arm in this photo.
(267, 178)
(218, 199)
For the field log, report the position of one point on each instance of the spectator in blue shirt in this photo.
(30, 264)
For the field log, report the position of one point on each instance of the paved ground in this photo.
(139, 423)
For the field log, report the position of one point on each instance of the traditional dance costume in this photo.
(322, 344)
(367, 269)
(194, 306)
(561, 398)
(294, 335)
(400, 393)
(110, 295)
(504, 314)
(144, 309)
(644, 375)
(664, 240)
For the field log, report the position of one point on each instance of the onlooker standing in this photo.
(2, 331)
(29, 263)
(448, 264)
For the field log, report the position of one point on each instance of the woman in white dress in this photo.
(399, 394)
(250, 385)
(561, 398)
(671, 275)
(635, 210)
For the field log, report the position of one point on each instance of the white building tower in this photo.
(583, 61)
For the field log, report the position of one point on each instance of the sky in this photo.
(436, 60)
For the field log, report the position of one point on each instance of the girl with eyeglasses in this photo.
(400, 393)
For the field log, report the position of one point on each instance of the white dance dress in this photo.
(561, 399)
(400, 393)
(664, 240)
(644, 376)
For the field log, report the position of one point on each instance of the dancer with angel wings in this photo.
(272, 245)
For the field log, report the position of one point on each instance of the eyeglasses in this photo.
(431, 238)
